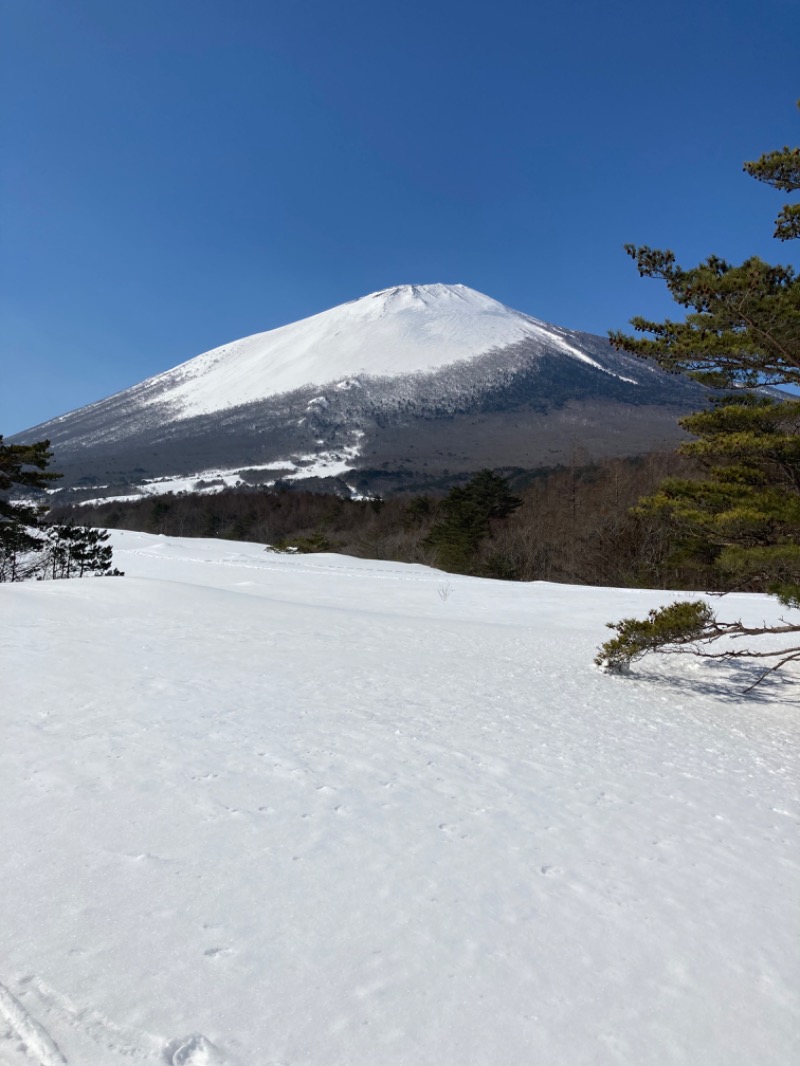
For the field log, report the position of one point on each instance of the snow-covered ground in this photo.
(270, 811)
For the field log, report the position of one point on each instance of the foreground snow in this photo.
(264, 810)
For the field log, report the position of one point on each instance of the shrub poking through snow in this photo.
(665, 627)
(687, 626)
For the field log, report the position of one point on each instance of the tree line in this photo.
(571, 524)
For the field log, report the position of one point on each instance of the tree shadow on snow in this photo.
(728, 681)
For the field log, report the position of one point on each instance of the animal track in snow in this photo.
(35, 1038)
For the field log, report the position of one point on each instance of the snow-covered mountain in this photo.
(406, 330)
(412, 379)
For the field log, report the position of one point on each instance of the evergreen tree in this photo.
(28, 548)
(22, 467)
(743, 325)
(744, 518)
(75, 551)
(467, 513)
(742, 329)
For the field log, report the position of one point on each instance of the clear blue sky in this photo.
(179, 173)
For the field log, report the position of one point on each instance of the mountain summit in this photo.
(413, 382)
(403, 330)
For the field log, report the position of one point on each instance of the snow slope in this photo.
(261, 810)
(396, 331)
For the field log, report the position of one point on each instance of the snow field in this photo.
(264, 810)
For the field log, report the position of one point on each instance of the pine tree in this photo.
(75, 551)
(743, 325)
(28, 547)
(467, 514)
(743, 518)
(22, 467)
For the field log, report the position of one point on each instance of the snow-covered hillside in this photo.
(390, 333)
(263, 810)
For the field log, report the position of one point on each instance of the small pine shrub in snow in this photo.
(673, 626)
(318, 541)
